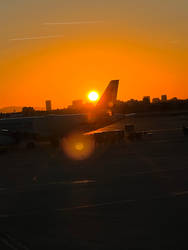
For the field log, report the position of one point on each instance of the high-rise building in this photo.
(48, 105)
(155, 100)
(164, 98)
(146, 100)
(77, 103)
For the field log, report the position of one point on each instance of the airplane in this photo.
(54, 127)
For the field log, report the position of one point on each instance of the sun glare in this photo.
(93, 96)
(78, 147)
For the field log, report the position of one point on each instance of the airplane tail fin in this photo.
(108, 99)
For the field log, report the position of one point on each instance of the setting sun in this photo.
(93, 96)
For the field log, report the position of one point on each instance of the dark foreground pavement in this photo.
(129, 196)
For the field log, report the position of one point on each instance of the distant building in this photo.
(155, 100)
(28, 110)
(164, 98)
(132, 101)
(77, 103)
(174, 99)
(48, 105)
(146, 100)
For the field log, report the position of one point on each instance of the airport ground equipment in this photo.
(109, 137)
(131, 133)
(185, 130)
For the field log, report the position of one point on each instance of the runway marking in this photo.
(160, 141)
(155, 172)
(165, 130)
(11, 243)
(8, 244)
(167, 141)
(102, 204)
(95, 205)
(183, 193)
(34, 187)
(111, 203)
(72, 182)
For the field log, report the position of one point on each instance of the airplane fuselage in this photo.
(55, 126)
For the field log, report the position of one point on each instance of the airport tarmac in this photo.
(132, 195)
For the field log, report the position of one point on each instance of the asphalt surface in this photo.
(132, 195)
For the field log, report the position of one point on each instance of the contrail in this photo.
(72, 23)
(174, 42)
(35, 38)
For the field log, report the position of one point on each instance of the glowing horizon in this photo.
(44, 56)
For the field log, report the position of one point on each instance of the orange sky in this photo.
(83, 57)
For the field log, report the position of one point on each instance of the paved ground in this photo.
(128, 196)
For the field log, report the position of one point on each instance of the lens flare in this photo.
(93, 96)
(78, 147)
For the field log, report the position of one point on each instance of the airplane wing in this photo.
(102, 130)
(115, 127)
